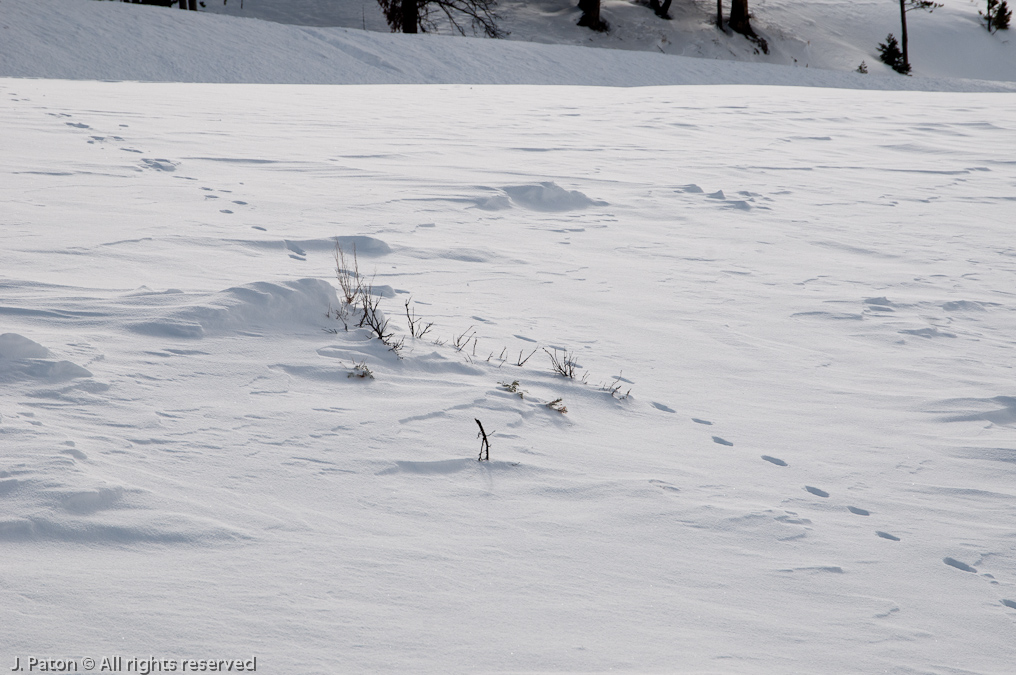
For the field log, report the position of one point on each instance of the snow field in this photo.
(807, 291)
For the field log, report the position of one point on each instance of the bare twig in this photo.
(522, 361)
(349, 279)
(375, 321)
(485, 443)
(460, 342)
(416, 327)
(341, 313)
(615, 387)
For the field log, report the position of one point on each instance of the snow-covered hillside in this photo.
(789, 445)
(829, 34)
(85, 39)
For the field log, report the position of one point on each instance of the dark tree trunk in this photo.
(719, 14)
(662, 11)
(410, 16)
(903, 42)
(739, 21)
(591, 15)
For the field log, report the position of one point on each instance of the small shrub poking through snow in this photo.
(863, 68)
(614, 388)
(513, 387)
(375, 320)
(361, 371)
(564, 365)
(558, 405)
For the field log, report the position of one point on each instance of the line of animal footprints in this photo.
(154, 164)
(818, 492)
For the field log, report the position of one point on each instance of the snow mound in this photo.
(252, 307)
(14, 346)
(367, 246)
(25, 359)
(162, 530)
(546, 196)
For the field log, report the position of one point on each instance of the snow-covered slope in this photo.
(808, 293)
(84, 39)
(829, 34)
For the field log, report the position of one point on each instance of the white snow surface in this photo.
(790, 445)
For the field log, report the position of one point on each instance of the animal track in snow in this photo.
(817, 492)
(886, 535)
(664, 408)
(721, 441)
(952, 562)
(774, 460)
(663, 485)
(834, 569)
(1009, 603)
(698, 421)
(858, 512)
(792, 519)
(160, 164)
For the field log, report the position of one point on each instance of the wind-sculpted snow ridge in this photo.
(25, 359)
(253, 307)
(545, 196)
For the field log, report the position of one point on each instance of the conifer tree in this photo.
(997, 16)
(889, 52)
